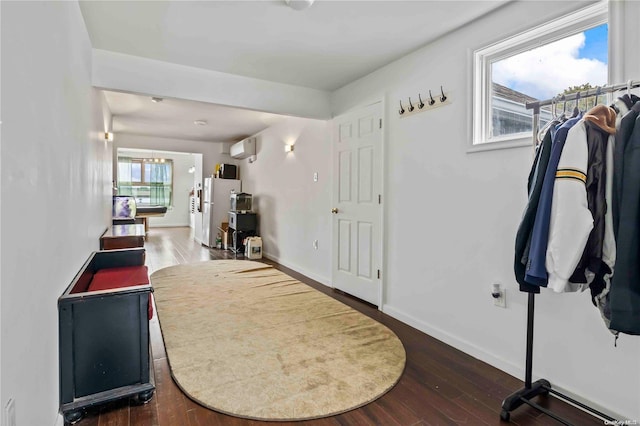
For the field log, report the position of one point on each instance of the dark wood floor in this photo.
(440, 385)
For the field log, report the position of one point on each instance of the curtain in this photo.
(124, 176)
(158, 176)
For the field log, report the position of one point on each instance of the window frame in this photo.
(483, 58)
(139, 161)
(143, 179)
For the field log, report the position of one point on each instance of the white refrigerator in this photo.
(215, 206)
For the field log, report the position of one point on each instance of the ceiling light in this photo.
(156, 100)
(200, 122)
(299, 4)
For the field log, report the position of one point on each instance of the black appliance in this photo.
(242, 225)
(228, 171)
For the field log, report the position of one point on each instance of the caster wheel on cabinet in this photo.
(143, 397)
(73, 417)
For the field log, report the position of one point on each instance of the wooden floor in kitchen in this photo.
(440, 385)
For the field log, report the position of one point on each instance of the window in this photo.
(148, 180)
(558, 57)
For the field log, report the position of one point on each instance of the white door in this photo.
(357, 209)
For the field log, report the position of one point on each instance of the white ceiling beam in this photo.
(121, 72)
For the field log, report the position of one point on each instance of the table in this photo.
(122, 236)
(145, 215)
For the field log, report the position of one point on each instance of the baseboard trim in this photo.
(168, 225)
(477, 352)
(456, 342)
(322, 280)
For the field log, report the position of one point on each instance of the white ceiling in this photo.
(174, 118)
(324, 47)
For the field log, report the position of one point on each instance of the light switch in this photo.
(315, 176)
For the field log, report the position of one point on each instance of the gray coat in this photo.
(625, 286)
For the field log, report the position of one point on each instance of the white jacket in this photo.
(571, 221)
(609, 245)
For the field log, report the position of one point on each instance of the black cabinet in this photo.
(243, 221)
(242, 225)
(104, 338)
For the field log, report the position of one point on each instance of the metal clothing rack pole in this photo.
(602, 90)
(542, 386)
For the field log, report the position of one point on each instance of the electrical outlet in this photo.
(315, 244)
(10, 413)
(501, 301)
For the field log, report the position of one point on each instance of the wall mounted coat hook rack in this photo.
(441, 100)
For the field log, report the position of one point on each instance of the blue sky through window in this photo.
(548, 70)
(596, 44)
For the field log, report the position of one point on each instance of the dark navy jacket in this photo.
(523, 236)
(623, 135)
(536, 271)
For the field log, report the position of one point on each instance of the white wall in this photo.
(56, 190)
(624, 31)
(451, 218)
(293, 210)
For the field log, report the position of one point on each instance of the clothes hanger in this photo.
(554, 120)
(598, 91)
(633, 98)
(626, 98)
(576, 110)
(563, 116)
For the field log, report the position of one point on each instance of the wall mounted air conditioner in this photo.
(243, 149)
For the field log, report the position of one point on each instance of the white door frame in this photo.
(383, 209)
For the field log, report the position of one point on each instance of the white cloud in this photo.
(547, 70)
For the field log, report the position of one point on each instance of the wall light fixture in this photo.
(108, 136)
(288, 148)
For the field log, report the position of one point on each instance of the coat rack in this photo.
(419, 104)
(543, 386)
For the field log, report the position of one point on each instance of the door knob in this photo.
(334, 210)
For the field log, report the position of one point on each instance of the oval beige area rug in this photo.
(247, 340)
